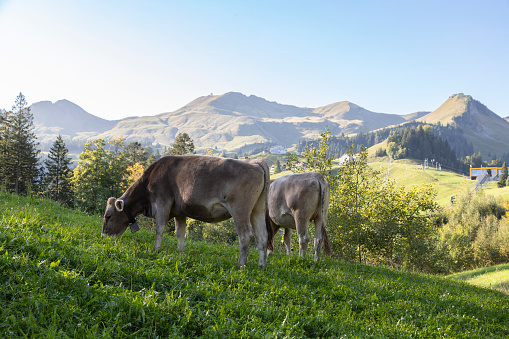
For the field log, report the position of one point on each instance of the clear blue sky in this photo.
(122, 58)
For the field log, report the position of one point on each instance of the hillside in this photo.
(488, 132)
(495, 277)
(60, 278)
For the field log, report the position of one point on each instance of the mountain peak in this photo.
(461, 96)
(238, 104)
(71, 117)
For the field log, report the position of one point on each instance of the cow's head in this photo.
(115, 220)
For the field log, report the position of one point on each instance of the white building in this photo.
(345, 158)
(277, 150)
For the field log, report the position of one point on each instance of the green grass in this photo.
(409, 173)
(59, 279)
(496, 191)
(495, 277)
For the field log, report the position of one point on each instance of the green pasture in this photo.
(494, 277)
(60, 279)
(409, 173)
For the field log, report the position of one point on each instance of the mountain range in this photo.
(233, 120)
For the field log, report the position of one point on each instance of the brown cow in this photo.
(294, 201)
(205, 188)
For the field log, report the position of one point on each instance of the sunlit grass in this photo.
(59, 278)
(494, 277)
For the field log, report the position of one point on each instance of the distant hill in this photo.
(487, 131)
(227, 121)
(67, 119)
(233, 120)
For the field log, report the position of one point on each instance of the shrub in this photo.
(475, 232)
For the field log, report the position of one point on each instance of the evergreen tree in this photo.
(58, 176)
(7, 166)
(18, 150)
(503, 176)
(136, 153)
(277, 168)
(183, 145)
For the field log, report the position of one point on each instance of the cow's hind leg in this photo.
(302, 230)
(244, 232)
(180, 231)
(287, 239)
(318, 236)
(260, 233)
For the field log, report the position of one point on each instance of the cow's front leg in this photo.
(180, 231)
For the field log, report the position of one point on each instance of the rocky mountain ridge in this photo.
(233, 120)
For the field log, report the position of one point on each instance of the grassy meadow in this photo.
(495, 277)
(60, 279)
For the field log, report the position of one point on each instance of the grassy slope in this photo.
(496, 277)
(409, 173)
(59, 278)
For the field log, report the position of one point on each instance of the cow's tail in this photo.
(268, 224)
(325, 193)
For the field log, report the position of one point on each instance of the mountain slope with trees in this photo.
(488, 132)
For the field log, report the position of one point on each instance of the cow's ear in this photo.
(119, 205)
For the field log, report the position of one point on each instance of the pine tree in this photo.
(7, 166)
(58, 176)
(183, 145)
(18, 150)
(503, 176)
(277, 168)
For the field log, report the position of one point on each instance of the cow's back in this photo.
(200, 186)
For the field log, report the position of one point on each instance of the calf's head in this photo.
(115, 220)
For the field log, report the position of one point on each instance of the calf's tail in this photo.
(270, 232)
(325, 192)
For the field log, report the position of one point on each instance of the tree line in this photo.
(419, 143)
(339, 145)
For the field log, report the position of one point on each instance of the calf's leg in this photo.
(302, 230)
(180, 231)
(318, 237)
(287, 239)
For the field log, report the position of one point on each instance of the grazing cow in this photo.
(205, 188)
(294, 201)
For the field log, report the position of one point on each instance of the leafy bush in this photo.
(475, 232)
